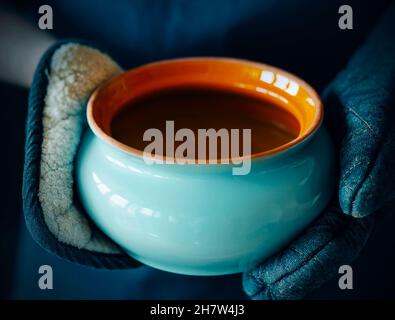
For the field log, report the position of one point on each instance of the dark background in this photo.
(300, 36)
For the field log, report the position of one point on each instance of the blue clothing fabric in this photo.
(299, 36)
(11, 167)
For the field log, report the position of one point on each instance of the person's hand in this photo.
(360, 111)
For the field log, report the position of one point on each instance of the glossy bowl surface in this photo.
(201, 219)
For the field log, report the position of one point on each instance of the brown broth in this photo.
(197, 108)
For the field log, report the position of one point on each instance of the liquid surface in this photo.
(197, 108)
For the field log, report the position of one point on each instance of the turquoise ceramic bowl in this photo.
(201, 219)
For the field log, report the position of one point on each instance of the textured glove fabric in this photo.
(311, 260)
(359, 107)
(33, 207)
(360, 111)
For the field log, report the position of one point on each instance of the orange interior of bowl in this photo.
(262, 81)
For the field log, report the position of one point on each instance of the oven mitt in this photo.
(66, 76)
(359, 106)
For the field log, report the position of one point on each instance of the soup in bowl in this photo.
(204, 166)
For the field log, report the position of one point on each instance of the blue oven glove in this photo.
(66, 76)
(359, 107)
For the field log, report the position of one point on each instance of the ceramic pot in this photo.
(201, 219)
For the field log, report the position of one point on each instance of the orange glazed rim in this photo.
(266, 82)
